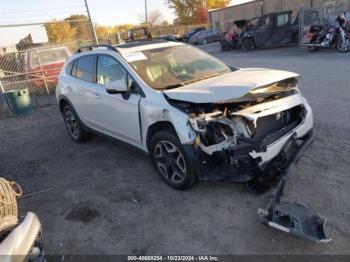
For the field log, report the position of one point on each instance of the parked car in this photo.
(205, 37)
(187, 36)
(271, 30)
(198, 118)
(21, 241)
(45, 62)
(139, 33)
(169, 37)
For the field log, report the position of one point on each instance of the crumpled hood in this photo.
(231, 86)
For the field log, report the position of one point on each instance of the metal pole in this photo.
(92, 25)
(146, 19)
(2, 88)
(43, 75)
(262, 7)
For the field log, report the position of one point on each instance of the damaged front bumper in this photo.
(257, 162)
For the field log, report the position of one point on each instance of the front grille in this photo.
(281, 122)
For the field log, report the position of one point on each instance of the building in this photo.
(219, 18)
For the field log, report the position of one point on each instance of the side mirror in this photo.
(117, 86)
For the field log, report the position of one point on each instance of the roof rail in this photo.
(92, 47)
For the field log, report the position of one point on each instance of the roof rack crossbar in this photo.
(92, 47)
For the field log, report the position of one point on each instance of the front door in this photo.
(263, 31)
(116, 115)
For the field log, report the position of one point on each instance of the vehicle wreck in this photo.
(241, 138)
(198, 118)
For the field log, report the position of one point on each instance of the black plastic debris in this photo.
(292, 218)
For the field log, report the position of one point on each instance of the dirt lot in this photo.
(105, 198)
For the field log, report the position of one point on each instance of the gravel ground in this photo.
(103, 197)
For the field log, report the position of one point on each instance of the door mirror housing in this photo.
(117, 86)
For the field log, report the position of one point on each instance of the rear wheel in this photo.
(249, 44)
(171, 161)
(73, 125)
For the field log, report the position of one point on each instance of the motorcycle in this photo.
(344, 38)
(231, 39)
(321, 37)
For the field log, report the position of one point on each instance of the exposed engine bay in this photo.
(224, 126)
(232, 137)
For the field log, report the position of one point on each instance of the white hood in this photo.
(229, 86)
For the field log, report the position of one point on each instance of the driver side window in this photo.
(265, 22)
(109, 69)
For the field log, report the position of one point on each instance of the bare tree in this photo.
(154, 17)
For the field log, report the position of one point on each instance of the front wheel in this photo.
(343, 45)
(171, 160)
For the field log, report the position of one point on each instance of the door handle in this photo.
(96, 96)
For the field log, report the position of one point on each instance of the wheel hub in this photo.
(170, 162)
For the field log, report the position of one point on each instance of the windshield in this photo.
(174, 66)
(48, 56)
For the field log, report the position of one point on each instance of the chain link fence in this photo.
(321, 16)
(35, 60)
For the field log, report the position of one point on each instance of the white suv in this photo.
(198, 118)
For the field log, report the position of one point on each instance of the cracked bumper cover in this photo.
(260, 156)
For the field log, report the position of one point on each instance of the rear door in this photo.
(282, 33)
(263, 31)
(80, 89)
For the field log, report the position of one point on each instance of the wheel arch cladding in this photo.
(156, 127)
(63, 102)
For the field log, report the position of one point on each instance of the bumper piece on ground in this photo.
(292, 218)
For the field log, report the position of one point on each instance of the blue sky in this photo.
(104, 12)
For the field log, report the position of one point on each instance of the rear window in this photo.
(69, 67)
(85, 68)
(48, 56)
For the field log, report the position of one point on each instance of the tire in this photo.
(249, 44)
(225, 47)
(171, 160)
(73, 125)
(343, 49)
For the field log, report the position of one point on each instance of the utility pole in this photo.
(91, 24)
(262, 7)
(146, 19)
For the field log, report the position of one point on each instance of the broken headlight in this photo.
(197, 124)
